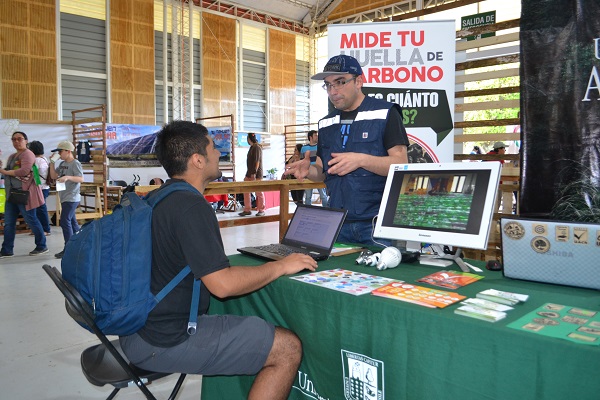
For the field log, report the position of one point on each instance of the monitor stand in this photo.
(456, 258)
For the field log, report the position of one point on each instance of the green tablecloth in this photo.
(367, 347)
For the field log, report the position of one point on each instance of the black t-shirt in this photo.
(185, 231)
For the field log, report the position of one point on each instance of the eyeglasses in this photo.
(20, 139)
(337, 84)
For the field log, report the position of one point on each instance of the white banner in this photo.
(412, 64)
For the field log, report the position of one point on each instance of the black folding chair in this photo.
(105, 363)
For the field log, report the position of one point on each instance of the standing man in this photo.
(254, 172)
(357, 143)
(311, 147)
(185, 231)
(69, 176)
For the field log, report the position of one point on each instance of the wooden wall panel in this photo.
(132, 61)
(28, 60)
(282, 80)
(219, 66)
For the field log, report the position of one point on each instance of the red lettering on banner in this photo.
(404, 35)
(404, 74)
(365, 40)
(348, 41)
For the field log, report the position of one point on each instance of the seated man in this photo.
(185, 231)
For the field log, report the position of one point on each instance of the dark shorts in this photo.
(223, 345)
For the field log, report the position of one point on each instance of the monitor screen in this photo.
(448, 204)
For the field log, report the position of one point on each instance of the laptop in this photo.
(312, 230)
(564, 253)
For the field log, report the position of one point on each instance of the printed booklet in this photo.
(342, 280)
(418, 294)
(450, 279)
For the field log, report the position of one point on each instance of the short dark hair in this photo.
(311, 133)
(37, 148)
(176, 142)
(252, 137)
(21, 133)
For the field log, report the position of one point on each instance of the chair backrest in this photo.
(79, 310)
(76, 307)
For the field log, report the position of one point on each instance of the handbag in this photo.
(18, 196)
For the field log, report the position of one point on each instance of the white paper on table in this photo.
(60, 186)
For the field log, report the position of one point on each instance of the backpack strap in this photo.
(156, 196)
(193, 320)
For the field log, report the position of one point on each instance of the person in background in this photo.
(357, 143)
(254, 172)
(70, 174)
(499, 149)
(185, 231)
(43, 166)
(156, 181)
(18, 175)
(311, 147)
(476, 150)
(297, 195)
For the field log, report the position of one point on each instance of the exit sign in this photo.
(475, 20)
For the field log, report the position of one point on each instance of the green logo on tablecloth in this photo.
(363, 377)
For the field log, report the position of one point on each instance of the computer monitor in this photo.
(445, 204)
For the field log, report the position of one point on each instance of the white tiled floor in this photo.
(40, 344)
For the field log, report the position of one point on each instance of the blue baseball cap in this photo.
(339, 65)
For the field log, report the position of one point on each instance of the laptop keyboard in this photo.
(280, 249)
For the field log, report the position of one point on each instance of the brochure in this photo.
(499, 296)
(490, 305)
(418, 294)
(484, 314)
(450, 279)
(342, 280)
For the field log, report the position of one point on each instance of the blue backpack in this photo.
(109, 262)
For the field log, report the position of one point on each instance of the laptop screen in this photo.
(316, 226)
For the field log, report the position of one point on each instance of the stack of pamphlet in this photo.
(490, 305)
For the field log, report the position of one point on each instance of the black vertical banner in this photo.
(560, 99)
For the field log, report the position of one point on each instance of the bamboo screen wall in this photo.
(132, 61)
(350, 7)
(484, 70)
(218, 65)
(28, 60)
(282, 80)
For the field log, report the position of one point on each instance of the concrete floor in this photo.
(40, 344)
